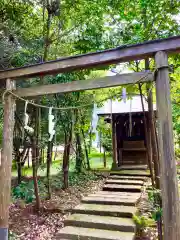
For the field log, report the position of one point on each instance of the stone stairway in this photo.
(107, 214)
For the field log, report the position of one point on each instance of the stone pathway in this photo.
(107, 214)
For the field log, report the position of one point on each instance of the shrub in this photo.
(177, 154)
(142, 222)
(25, 191)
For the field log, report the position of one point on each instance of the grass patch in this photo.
(98, 154)
(95, 154)
(98, 163)
(27, 172)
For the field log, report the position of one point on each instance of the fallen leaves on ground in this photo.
(28, 225)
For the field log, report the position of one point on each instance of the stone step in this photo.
(133, 167)
(124, 182)
(108, 210)
(78, 233)
(109, 200)
(117, 194)
(138, 178)
(122, 188)
(131, 173)
(101, 222)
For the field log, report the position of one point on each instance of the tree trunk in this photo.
(35, 156)
(28, 160)
(46, 37)
(153, 140)
(100, 144)
(49, 161)
(154, 146)
(40, 157)
(43, 155)
(19, 170)
(66, 155)
(86, 150)
(65, 164)
(18, 164)
(104, 158)
(90, 141)
(79, 153)
(25, 156)
(21, 159)
(55, 154)
(34, 166)
(37, 129)
(146, 138)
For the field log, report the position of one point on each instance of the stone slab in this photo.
(133, 167)
(108, 210)
(109, 200)
(123, 188)
(77, 233)
(138, 178)
(124, 181)
(101, 222)
(131, 173)
(120, 194)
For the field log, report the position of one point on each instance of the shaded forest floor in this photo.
(26, 224)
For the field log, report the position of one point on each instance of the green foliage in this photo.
(12, 236)
(31, 33)
(176, 121)
(142, 222)
(177, 153)
(105, 131)
(154, 197)
(25, 191)
(80, 178)
(75, 179)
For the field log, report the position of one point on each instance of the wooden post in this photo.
(168, 171)
(114, 144)
(6, 160)
(113, 130)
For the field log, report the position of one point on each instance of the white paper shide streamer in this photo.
(51, 125)
(26, 119)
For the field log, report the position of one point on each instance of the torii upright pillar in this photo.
(168, 171)
(6, 160)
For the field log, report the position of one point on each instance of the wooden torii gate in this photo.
(157, 49)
